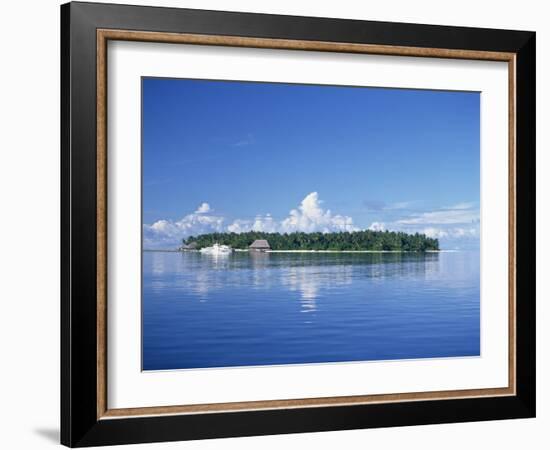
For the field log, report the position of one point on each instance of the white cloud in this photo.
(398, 205)
(430, 231)
(462, 205)
(377, 226)
(239, 226)
(203, 208)
(454, 237)
(308, 217)
(457, 214)
(456, 226)
(464, 232)
(264, 223)
(433, 232)
(167, 233)
(453, 225)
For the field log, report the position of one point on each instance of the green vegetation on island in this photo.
(342, 241)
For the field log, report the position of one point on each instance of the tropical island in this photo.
(366, 240)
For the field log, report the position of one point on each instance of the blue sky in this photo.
(236, 156)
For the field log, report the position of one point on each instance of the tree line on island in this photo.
(355, 240)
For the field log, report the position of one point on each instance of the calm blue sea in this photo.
(260, 309)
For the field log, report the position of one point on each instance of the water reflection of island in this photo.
(312, 275)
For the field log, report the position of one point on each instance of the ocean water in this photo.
(259, 309)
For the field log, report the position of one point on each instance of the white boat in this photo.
(217, 249)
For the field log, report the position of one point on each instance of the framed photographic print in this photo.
(276, 224)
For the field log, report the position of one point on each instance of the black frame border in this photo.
(79, 424)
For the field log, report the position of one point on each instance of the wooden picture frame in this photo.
(86, 418)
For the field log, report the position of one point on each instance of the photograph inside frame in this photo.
(304, 224)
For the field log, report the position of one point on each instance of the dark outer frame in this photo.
(80, 425)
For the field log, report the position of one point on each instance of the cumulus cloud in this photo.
(377, 226)
(454, 226)
(203, 208)
(264, 223)
(309, 216)
(166, 233)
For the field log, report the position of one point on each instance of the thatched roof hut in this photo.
(259, 245)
